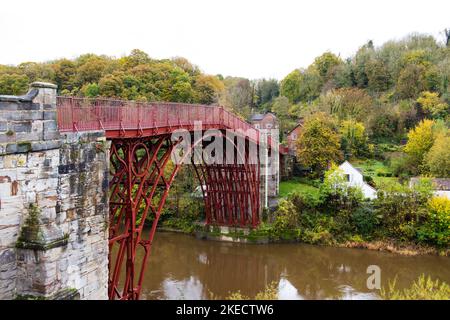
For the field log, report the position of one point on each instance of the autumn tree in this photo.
(319, 143)
(15, 84)
(432, 104)
(355, 141)
(411, 81)
(437, 159)
(326, 64)
(347, 103)
(290, 86)
(420, 141)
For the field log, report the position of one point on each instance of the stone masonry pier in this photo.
(53, 203)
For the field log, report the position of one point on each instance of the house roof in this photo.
(260, 116)
(257, 117)
(360, 171)
(298, 125)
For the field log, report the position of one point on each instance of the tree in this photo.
(65, 73)
(111, 86)
(438, 158)
(90, 90)
(319, 143)
(135, 58)
(290, 86)
(354, 138)
(420, 140)
(91, 69)
(326, 64)
(188, 67)
(347, 103)
(432, 105)
(13, 84)
(447, 37)
(411, 81)
(38, 71)
(281, 108)
(238, 94)
(207, 89)
(360, 61)
(378, 76)
(266, 91)
(343, 76)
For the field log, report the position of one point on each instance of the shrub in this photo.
(286, 217)
(403, 166)
(436, 229)
(270, 292)
(364, 219)
(402, 209)
(421, 289)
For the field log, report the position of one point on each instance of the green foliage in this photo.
(270, 292)
(266, 91)
(432, 104)
(364, 220)
(347, 103)
(319, 143)
(437, 159)
(301, 85)
(298, 185)
(436, 229)
(402, 209)
(326, 63)
(14, 84)
(354, 139)
(290, 86)
(134, 77)
(286, 217)
(421, 289)
(411, 81)
(420, 140)
(90, 90)
(424, 138)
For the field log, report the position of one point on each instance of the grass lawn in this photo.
(371, 168)
(300, 185)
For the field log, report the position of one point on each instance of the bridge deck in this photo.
(121, 118)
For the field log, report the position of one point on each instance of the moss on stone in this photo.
(24, 146)
(31, 236)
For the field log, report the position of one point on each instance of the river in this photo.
(183, 267)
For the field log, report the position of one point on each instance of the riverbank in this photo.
(185, 267)
(248, 236)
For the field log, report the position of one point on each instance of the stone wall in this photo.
(53, 203)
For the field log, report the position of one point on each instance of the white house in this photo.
(355, 179)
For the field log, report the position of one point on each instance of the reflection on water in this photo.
(183, 267)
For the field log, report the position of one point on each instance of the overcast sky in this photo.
(254, 39)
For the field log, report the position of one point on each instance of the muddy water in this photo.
(183, 267)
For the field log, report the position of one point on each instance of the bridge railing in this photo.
(84, 114)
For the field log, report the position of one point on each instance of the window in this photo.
(347, 177)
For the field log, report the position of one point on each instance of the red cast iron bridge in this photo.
(141, 173)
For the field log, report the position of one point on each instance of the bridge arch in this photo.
(139, 169)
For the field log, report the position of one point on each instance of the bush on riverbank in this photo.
(270, 292)
(340, 214)
(421, 289)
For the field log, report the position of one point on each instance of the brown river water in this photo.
(183, 267)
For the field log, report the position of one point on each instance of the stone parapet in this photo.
(53, 203)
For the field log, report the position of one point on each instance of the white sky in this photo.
(254, 39)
